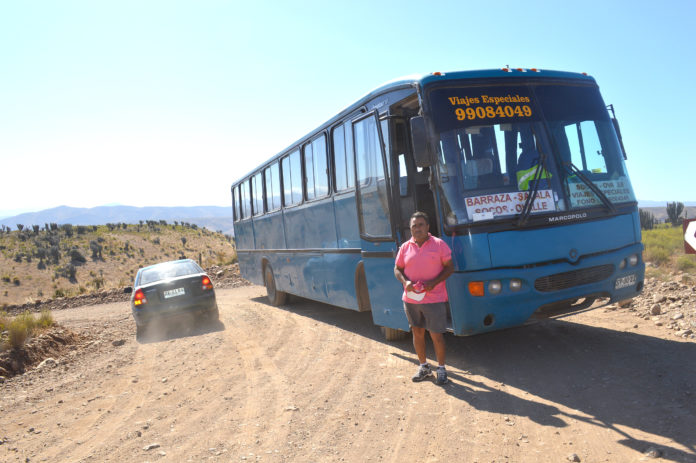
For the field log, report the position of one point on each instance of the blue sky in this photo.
(166, 103)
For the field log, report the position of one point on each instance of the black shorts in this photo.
(432, 317)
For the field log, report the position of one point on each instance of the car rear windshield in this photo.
(168, 271)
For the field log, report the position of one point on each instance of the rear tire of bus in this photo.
(393, 334)
(275, 297)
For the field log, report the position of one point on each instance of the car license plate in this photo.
(623, 282)
(174, 293)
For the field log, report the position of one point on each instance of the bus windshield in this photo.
(497, 144)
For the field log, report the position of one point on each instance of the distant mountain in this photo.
(651, 203)
(213, 218)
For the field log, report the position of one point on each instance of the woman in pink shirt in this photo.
(422, 265)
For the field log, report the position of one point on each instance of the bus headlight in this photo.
(494, 286)
(515, 284)
(633, 260)
(622, 265)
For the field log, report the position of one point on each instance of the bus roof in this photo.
(423, 80)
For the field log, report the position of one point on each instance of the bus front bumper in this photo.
(511, 296)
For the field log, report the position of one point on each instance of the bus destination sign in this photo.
(467, 106)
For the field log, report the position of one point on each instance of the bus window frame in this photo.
(235, 206)
(243, 216)
(387, 177)
(254, 188)
(305, 191)
(347, 154)
(295, 149)
(269, 168)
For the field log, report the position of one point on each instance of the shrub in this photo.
(67, 229)
(657, 255)
(76, 257)
(45, 318)
(54, 253)
(96, 250)
(20, 328)
(4, 321)
(686, 263)
(24, 325)
(67, 271)
(17, 334)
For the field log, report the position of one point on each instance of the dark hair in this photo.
(422, 215)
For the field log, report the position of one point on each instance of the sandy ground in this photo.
(313, 383)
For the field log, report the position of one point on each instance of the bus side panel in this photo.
(244, 234)
(248, 261)
(311, 226)
(340, 285)
(385, 293)
(346, 221)
(250, 266)
(269, 231)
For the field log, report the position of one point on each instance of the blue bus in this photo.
(521, 171)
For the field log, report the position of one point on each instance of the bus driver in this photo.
(422, 265)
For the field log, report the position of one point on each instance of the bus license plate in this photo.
(176, 292)
(623, 282)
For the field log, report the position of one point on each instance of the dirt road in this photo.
(313, 383)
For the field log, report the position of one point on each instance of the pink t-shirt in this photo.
(423, 263)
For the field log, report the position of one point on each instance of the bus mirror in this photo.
(419, 141)
(618, 134)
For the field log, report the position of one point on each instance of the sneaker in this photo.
(424, 371)
(441, 376)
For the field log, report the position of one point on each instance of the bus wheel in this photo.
(393, 334)
(275, 297)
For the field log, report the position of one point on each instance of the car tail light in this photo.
(139, 298)
(206, 283)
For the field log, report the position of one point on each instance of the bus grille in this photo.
(567, 280)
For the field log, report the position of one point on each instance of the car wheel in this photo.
(139, 331)
(214, 314)
(275, 297)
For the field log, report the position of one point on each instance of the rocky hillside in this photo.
(57, 261)
(668, 304)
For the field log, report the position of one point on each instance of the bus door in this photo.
(378, 239)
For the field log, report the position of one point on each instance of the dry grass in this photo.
(22, 327)
(664, 249)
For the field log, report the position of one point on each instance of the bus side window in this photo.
(257, 193)
(316, 173)
(344, 166)
(272, 187)
(245, 199)
(235, 204)
(292, 179)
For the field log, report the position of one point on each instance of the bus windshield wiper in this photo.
(529, 202)
(572, 168)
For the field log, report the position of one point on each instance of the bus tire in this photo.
(393, 334)
(275, 297)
